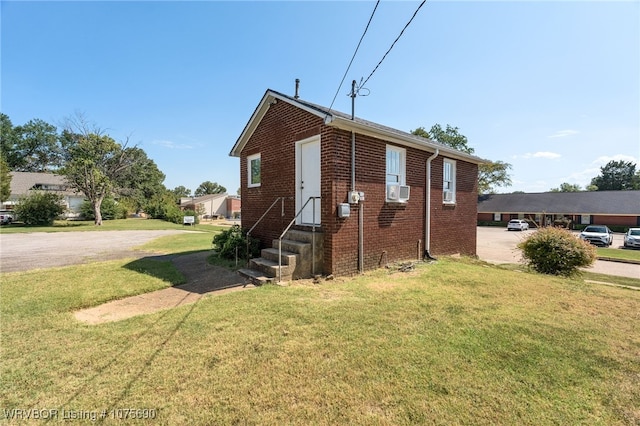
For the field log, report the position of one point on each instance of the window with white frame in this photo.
(396, 168)
(449, 181)
(253, 170)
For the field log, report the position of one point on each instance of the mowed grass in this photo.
(619, 254)
(455, 341)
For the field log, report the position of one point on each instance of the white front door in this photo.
(308, 180)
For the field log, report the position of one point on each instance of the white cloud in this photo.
(601, 161)
(564, 133)
(582, 177)
(172, 145)
(541, 154)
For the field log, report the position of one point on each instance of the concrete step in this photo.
(256, 277)
(270, 268)
(293, 246)
(302, 236)
(288, 258)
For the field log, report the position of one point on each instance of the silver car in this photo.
(632, 238)
(599, 235)
(517, 225)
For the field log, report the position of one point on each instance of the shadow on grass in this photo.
(160, 267)
(196, 271)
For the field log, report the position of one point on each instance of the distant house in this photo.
(584, 208)
(25, 183)
(359, 193)
(213, 205)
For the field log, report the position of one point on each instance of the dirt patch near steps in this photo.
(203, 279)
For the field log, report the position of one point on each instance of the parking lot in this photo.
(497, 245)
(35, 250)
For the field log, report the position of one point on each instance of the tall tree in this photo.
(567, 187)
(36, 148)
(95, 165)
(8, 141)
(181, 191)
(141, 180)
(5, 180)
(617, 176)
(450, 136)
(209, 187)
(490, 175)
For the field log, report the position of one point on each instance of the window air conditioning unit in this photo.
(448, 196)
(404, 192)
(396, 192)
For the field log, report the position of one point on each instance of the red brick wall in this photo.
(453, 227)
(233, 206)
(485, 217)
(392, 231)
(275, 137)
(615, 220)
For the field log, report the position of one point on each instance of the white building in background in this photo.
(213, 206)
(24, 183)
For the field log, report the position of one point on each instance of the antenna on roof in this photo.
(296, 96)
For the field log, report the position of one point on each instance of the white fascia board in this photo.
(363, 129)
(259, 113)
(251, 125)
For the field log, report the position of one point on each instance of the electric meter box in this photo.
(344, 210)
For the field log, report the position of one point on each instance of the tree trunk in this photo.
(96, 211)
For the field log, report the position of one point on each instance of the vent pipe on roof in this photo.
(296, 96)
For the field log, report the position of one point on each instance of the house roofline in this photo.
(262, 108)
(396, 136)
(335, 119)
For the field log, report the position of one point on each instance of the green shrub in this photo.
(556, 251)
(164, 207)
(234, 240)
(40, 208)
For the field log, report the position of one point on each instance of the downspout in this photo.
(427, 215)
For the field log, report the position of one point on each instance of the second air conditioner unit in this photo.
(396, 192)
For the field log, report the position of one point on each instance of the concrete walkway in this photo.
(202, 278)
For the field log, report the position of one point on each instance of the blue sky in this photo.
(551, 87)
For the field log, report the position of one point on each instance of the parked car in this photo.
(6, 218)
(599, 235)
(517, 225)
(632, 238)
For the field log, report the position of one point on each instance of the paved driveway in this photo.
(21, 252)
(497, 245)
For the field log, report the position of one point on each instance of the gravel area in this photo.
(22, 252)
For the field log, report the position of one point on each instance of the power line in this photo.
(393, 44)
(354, 55)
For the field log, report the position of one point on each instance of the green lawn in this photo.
(455, 341)
(619, 254)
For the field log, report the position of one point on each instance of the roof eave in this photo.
(258, 114)
(345, 124)
(364, 129)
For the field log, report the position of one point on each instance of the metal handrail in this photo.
(260, 220)
(313, 238)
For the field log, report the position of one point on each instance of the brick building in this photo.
(395, 197)
(614, 208)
